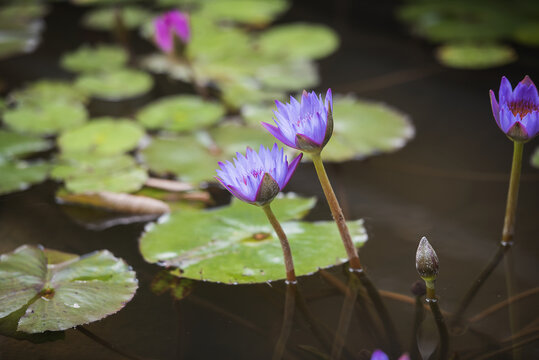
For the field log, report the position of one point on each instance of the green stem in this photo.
(336, 211)
(512, 195)
(507, 234)
(345, 318)
(432, 300)
(510, 286)
(287, 253)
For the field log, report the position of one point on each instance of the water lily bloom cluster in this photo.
(380, 355)
(170, 25)
(306, 125)
(257, 178)
(517, 112)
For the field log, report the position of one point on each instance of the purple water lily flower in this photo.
(517, 114)
(257, 178)
(306, 126)
(380, 355)
(167, 26)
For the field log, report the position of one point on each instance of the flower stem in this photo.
(507, 234)
(432, 300)
(286, 329)
(287, 253)
(336, 211)
(512, 195)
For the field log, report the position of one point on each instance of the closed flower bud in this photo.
(426, 261)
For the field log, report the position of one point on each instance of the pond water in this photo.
(449, 184)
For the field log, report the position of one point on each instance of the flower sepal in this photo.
(517, 132)
(267, 190)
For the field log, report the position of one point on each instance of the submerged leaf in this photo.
(469, 56)
(59, 296)
(235, 244)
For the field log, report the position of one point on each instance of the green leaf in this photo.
(291, 75)
(469, 56)
(194, 159)
(225, 245)
(102, 136)
(95, 59)
(248, 91)
(21, 13)
(180, 113)
(363, 128)
(255, 12)
(46, 118)
(18, 176)
(115, 85)
(62, 295)
(219, 43)
(527, 34)
(299, 40)
(16, 145)
(105, 18)
(535, 158)
(163, 64)
(90, 173)
(44, 91)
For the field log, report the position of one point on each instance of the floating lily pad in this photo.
(219, 44)
(46, 118)
(180, 113)
(236, 244)
(13, 44)
(256, 12)
(467, 56)
(61, 295)
(535, 158)
(105, 18)
(292, 75)
(15, 145)
(248, 91)
(45, 91)
(102, 136)
(95, 59)
(299, 41)
(194, 159)
(363, 128)
(20, 175)
(528, 34)
(116, 85)
(163, 64)
(21, 13)
(97, 173)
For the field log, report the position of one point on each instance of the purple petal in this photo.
(379, 355)
(237, 193)
(531, 121)
(291, 170)
(163, 37)
(329, 99)
(495, 108)
(506, 91)
(276, 132)
(404, 357)
(526, 91)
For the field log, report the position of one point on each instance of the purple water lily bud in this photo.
(517, 113)
(257, 178)
(426, 261)
(306, 125)
(380, 355)
(170, 25)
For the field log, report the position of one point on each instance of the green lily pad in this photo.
(116, 85)
(46, 118)
(363, 128)
(255, 12)
(95, 59)
(248, 91)
(292, 75)
(194, 159)
(527, 34)
(535, 158)
(102, 136)
(300, 40)
(469, 56)
(211, 46)
(21, 13)
(20, 175)
(44, 91)
(90, 173)
(105, 18)
(16, 145)
(163, 64)
(14, 44)
(180, 113)
(59, 296)
(236, 245)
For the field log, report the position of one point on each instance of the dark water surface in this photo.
(449, 183)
